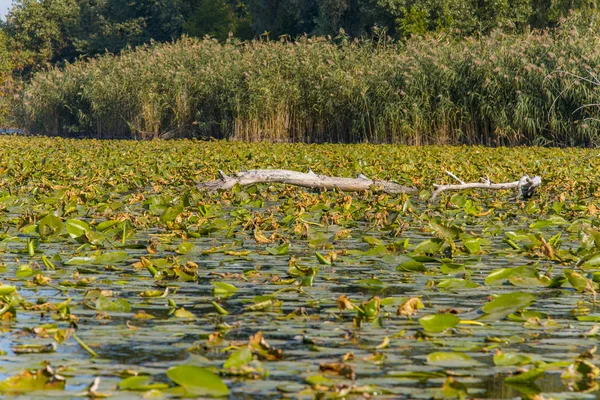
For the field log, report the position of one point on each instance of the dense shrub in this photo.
(501, 89)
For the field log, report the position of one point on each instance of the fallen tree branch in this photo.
(526, 186)
(309, 180)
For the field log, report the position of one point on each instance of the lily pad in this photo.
(198, 381)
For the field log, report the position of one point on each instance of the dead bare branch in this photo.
(526, 186)
(309, 180)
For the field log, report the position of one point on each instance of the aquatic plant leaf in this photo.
(198, 381)
(505, 304)
(371, 283)
(77, 228)
(410, 306)
(581, 370)
(449, 359)
(411, 265)
(502, 359)
(111, 257)
(452, 268)
(186, 248)
(578, 282)
(279, 250)
(371, 240)
(428, 247)
(238, 358)
(259, 346)
(183, 314)
(105, 225)
(33, 380)
(6, 290)
(322, 260)
(473, 245)
(141, 383)
(457, 284)
(452, 389)
(436, 323)
(170, 213)
(118, 305)
(223, 288)
(49, 226)
(526, 377)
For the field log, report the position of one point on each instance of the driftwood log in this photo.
(525, 186)
(309, 180)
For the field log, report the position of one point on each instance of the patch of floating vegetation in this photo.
(120, 277)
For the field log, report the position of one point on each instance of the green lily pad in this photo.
(436, 323)
(506, 304)
(451, 360)
(238, 358)
(279, 250)
(198, 381)
(510, 359)
(50, 225)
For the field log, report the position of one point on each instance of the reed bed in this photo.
(501, 89)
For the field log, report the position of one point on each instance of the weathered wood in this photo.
(526, 186)
(309, 180)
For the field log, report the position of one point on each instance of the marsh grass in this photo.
(502, 89)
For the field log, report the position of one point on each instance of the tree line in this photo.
(38, 33)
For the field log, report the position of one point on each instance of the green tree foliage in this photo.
(5, 57)
(5, 75)
(461, 16)
(43, 32)
(219, 18)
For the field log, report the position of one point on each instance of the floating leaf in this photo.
(6, 290)
(141, 383)
(436, 323)
(451, 360)
(198, 381)
(411, 265)
(526, 377)
(112, 257)
(410, 306)
(118, 305)
(279, 250)
(473, 245)
(32, 380)
(578, 281)
(185, 248)
(223, 289)
(429, 246)
(77, 228)
(184, 314)
(171, 213)
(50, 225)
(509, 359)
(238, 358)
(506, 304)
(453, 389)
(321, 259)
(457, 284)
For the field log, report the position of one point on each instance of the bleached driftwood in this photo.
(526, 186)
(309, 180)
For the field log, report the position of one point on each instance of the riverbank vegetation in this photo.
(501, 89)
(509, 73)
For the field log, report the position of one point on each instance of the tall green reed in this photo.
(501, 89)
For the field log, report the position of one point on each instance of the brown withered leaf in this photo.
(260, 347)
(341, 369)
(344, 303)
(261, 238)
(410, 307)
